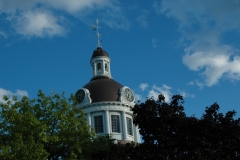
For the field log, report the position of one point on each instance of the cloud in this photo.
(203, 24)
(155, 91)
(216, 63)
(44, 18)
(143, 86)
(38, 23)
(71, 6)
(154, 42)
(114, 18)
(190, 83)
(185, 94)
(197, 83)
(18, 93)
(143, 18)
(138, 97)
(165, 90)
(2, 34)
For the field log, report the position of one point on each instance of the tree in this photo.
(169, 134)
(48, 127)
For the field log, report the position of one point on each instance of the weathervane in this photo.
(95, 28)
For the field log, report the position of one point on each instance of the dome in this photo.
(103, 89)
(99, 52)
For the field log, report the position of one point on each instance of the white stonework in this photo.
(101, 66)
(106, 109)
(108, 117)
(87, 99)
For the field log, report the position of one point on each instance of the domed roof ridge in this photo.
(99, 52)
(99, 77)
(103, 89)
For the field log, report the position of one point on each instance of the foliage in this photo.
(117, 152)
(170, 134)
(49, 127)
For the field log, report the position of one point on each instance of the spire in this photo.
(95, 28)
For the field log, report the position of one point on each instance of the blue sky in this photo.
(172, 47)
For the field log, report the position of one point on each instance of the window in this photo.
(99, 67)
(98, 124)
(115, 123)
(106, 67)
(129, 126)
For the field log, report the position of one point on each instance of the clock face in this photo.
(128, 94)
(80, 95)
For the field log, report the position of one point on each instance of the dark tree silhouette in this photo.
(169, 134)
(165, 127)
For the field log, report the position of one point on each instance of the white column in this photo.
(136, 134)
(107, 122)
(95, 69)
(124, 125)
(109, 71)
(89, 119)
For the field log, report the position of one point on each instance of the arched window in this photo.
(99, 67)
(106, 67)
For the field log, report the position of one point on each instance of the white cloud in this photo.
(36, 18)
(185, 94)
(154, 42)
(77, 5)
(143, 18)
(114, 18)
(143, 86)
(69, 5)
(18, 93)
(2, 34)
(165, 90)
(155, 91)
(38, 23)
(190, 83)
(197, 83)
(138, 97)
(215, 64)
(202, 23)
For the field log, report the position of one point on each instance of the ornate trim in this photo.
(122, 97)
(87, 99)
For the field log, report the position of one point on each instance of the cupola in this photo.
(100, 63)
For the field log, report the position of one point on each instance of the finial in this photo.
(95, 28)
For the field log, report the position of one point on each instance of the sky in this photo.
(168, 47)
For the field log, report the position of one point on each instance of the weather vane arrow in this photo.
(95, 28)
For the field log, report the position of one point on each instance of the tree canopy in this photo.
(53, 127)
(174, 135)
(168, 133)
(48, 127)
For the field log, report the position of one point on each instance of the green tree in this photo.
(169, 134)
(48, 127)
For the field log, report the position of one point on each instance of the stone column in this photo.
(109, 71)
(124, 126)
(89, 119)
(107, 122)
(136, 134)
(95, 69)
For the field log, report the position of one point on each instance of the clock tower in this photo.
(106, 103)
